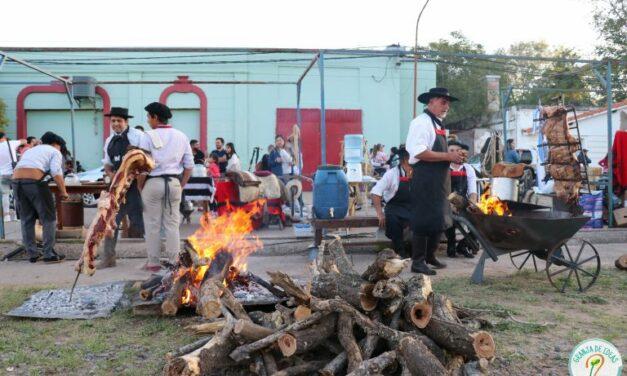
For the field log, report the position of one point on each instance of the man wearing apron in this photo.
(162, 189)
(431, 180)
(464, 183)
(394, 189)
(115, 148)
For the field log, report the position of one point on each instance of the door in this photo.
(187, 121)
(338, 124)
(87, 128)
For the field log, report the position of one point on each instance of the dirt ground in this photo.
(125, 345)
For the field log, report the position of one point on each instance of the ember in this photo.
(492, 205)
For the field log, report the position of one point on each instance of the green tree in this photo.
(4, 120)
(610, 21)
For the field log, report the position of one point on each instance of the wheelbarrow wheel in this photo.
(520, 258)
(573, 270)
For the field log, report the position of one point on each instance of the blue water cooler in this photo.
(330, 193)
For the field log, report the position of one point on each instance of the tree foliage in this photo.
(4, 120)
(610, 21)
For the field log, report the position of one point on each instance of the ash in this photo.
(252, 293)
(88, 302)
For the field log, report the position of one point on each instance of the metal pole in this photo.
(415, 98)
(69, 91)
(323, 125)
(610, 156)
(504, 103)
(299, 119)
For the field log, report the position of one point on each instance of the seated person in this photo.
(464, 183)
(393, 188)
(213, 168)
(511, 155)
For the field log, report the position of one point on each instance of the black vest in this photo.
(118, 146)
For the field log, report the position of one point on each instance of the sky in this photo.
(292, 23)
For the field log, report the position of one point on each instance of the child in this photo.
(213, 169)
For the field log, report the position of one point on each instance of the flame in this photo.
(492, 205)
(187, 296)
(218, 234)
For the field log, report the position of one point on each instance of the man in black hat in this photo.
(115, 147)
(34, 198)
(431, 180)
(162, 189)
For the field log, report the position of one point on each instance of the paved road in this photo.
(25, 273)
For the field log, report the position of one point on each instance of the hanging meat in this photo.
(562, 164)
(135, 162)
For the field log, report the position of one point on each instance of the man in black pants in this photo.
(34, 198)
(431, 180)
(394, 188)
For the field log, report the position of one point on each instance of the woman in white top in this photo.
(233, 163)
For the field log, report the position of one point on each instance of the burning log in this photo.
(209, 304)
(300, 341)
(173, 299)
(387, 265)
(418, 303)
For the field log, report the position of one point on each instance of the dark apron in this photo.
(402, 198)
(398, 209)
(459, 182)
(430, 187)
(118, 146)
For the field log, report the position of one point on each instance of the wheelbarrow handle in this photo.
(486, 246)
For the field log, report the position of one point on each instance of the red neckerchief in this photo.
(461, 172)
(441, 132)
(402, 178)
(163, 126)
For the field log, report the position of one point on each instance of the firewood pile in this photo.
(341, 322)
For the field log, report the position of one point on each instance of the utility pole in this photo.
(415, 98)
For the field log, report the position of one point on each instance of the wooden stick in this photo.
(303, 340)
(301, 369)
(250, 331)
(268, 360)
(187, 348)
(243, 352)
(387, 265)
(376, 365)
(347, 339)
(208, 327)
(290, 287)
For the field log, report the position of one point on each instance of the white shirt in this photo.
(387, 186)
(286, 162)
(6, 167)
(175, 154)
(233, 164)
(42, 157)
(471, 177)
(134, 138)
(421, 136)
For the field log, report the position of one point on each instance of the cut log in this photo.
(388, 264)
(268, 360)
(388, 288)
(460, 340)
(301, 369)
(257, 367)
(250, 331)
(290, 287)
(172, 301)
(302, 312)
(215, 354)
(146, 294)
(229, 301)
(349, 287)
(335, 250)
(376, 365)
(391, 306)
(347, 339)
(443, 308)
(207, 328)
(621, 262)
(187, 348)
(419, 359)
(272, 320)
(243, 352)
(301, 341)
(418, 304)
(455, 366)
(287, 314)
(208, 305)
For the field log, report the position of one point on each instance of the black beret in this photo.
(159, 109)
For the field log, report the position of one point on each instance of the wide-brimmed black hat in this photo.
(119, 112)
(436, 92)
(159, 109)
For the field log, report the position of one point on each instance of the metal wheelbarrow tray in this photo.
(534, 233)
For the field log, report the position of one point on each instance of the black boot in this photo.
(462, 249)
(450, 250)
(450, 242)
(432, 245)
(418, 253)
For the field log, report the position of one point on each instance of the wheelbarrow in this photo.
(531, 234)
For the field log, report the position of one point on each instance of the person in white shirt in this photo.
(233, 163)
(34, 198)
(464, 183)
(116, 145)
(431, 180)
(394, 189)
(8, 159)
(161, 190)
